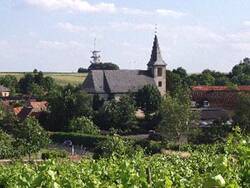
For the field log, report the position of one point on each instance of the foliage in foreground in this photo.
(201, 169)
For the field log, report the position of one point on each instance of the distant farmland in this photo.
(60, 78)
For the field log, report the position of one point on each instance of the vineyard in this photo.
(217, 165)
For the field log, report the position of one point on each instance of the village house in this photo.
(216, 103)
(115, 83)
(217, 96)
(31, 109)
(4, 91)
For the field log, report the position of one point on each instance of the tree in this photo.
(83, 125)
(181, 72)
(10, 82)
(240, 74)
(25, 83)
(97, 102)
(103, 66)
(206, 78)
(6, 149)
(117, 114)
(35, 83)
(148, 99)
(177, 118)
(36, 90)
(66, 105)
(242, 113)
(30, 137)
(82, 70)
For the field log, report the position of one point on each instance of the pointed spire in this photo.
(156, 58)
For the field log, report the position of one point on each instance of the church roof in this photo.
(116, 81)
(156, 58)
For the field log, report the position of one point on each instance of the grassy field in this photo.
(60, 78)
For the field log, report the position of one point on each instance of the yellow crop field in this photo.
(60, 78)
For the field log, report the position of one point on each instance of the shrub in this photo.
(114, 145)
(149, 146)
(83, 125)
(54, 154)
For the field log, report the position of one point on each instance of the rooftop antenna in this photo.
(156, 29)
(94, 43)
(96, 58)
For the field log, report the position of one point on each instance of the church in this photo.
(115, 83)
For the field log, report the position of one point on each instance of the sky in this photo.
(58, 35)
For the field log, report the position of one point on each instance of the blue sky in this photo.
(58, 35)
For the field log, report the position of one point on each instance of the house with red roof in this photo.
(218, 96)
(32, 109)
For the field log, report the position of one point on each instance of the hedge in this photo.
(54, 154)
(88, 141)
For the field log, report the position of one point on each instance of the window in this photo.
(159, 84)
(159, 71)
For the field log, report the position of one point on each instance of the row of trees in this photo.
(34, 83)
(240, 75)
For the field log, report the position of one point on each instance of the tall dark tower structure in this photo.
(157, 67)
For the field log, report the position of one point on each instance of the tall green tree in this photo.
(36, 83)
(242, 112)
(117, 114)
(240, 74)
(148, 99)
(30, 137)
(10, 82)
(66, 105)
(177, 117)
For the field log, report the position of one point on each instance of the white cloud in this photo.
(67, 26)
(241, 46)
(202, 34)
(132, 26)
(171, 13)
(246, 23)
(58, 45)
(239, 37)
(85, 6)
(129, 11)
(77, 5)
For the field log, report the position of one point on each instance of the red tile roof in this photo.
(17, 110)
(39, 105)
(33, 109)
(220, 88)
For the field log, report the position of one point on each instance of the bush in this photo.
(149, 146)
(6, 147)
(88, 141)
(114, 145)
(83, 125)
(54, 154)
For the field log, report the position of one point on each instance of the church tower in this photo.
(157, 67)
